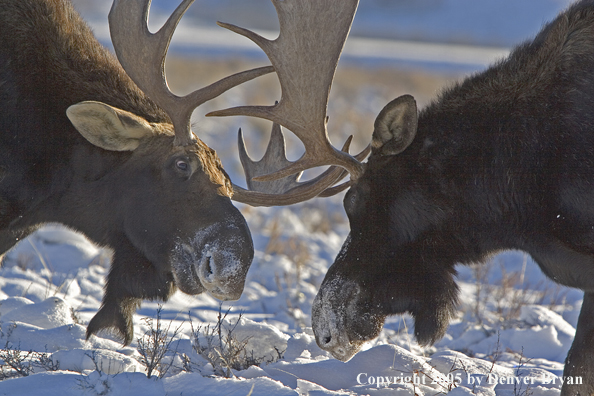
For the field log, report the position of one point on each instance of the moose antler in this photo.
(287, 190)
(304, 56)
(142, 55)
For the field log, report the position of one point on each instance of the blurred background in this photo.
(395, 47)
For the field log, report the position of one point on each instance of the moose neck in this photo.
(45, 67)
(492, 144)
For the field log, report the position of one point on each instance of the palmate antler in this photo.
(304, 56)
(286, 190)
(142, 54)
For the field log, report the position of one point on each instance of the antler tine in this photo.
(305, 56)
(274, 158)
(287, 190)
(142, 54)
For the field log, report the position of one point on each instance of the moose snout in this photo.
(329, 341)
(221, 272)
(329, 329)
(215, 260)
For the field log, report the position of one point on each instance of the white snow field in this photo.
(511, 337)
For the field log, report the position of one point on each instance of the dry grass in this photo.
(187, 74)
(506, 297)
(17, 363)
(220, 347)
(155, 344)
(297, 251)
(292, 247)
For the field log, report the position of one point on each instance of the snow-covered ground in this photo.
(514, 326)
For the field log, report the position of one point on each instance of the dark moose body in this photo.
(165, 210)
(502, 160)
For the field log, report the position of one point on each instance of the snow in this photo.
(40, 313)
(50, 313)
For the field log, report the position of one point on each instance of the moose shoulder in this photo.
(81, 145)
(503, 160)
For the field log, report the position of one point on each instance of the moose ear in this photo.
(395, 127)
(108, 127)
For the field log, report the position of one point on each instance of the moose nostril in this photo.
(327, 340)
(207, 268)
(208, 273)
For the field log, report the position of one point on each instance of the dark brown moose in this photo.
(82, 145)
(110, 153)
(502, 160)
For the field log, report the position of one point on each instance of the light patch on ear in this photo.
(395, 126)
(108, 127)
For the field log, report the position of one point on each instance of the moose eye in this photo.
(355, 199)
(350, 202)
(182, 165)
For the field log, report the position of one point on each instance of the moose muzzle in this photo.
(216, 259)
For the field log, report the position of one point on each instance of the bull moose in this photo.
(105, 148)
(502, 160)
(81, 144)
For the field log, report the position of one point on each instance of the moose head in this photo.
(499, 161)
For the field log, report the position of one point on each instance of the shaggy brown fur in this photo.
(503, 160)
(138, 202)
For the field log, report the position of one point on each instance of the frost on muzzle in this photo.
(216, 260)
